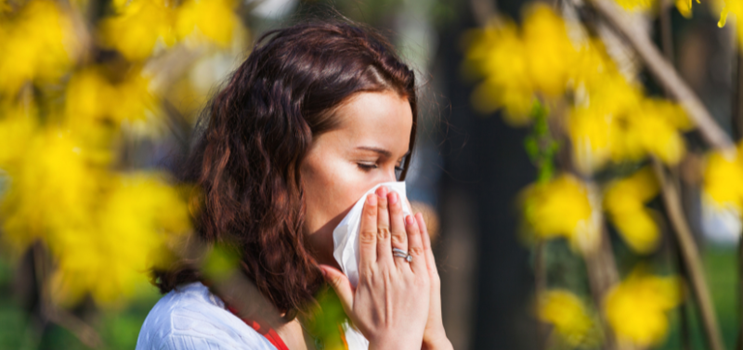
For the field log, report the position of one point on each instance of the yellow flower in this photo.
(624, 202)
(492, 49)
(736, 8)
(592, 64)
(562, 207)
(657, 123)
(89, 96)
(636, 308)
(134, 98)
(567, 313)
(722, 186)
(636, 5)
(103, 230)
(92, 98)
(549, 52)
(53, 188)
(613, 121)
(597, 125)
(36, 44)
(198, 17)
(591, 135)
(110, 257)
(684, 7)
(17, 126)
(139, 26)
(729, 6)
(517, 65)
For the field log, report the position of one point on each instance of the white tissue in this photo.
(346, 235)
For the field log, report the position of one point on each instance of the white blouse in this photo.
(190, 318)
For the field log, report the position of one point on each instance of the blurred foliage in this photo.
(21, 330)
(609, 118)
(85, 83)
(97, 103)
(326, 320)
(563, 82)
(540, 146)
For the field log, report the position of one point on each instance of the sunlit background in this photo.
(577, 160)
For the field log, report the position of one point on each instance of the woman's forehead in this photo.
(377, 119)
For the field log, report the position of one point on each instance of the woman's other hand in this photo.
(434, 336)
(390, 305)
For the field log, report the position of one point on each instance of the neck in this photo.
(294, 336)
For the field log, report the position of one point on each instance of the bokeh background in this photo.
(547, 147)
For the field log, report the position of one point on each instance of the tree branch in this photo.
(738, 134)
(665, 74)
(690, 257)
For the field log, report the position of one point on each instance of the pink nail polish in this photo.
(393, 197)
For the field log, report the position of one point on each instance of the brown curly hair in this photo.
(255, 133)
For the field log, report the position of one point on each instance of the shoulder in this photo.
(190, 317)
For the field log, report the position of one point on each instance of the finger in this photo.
(368, 233)
(341, 285)
(415, 246)
(384, 248)
(426, 238)
(398, 234)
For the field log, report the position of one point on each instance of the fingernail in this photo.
(410, 220)
(384, 191)
(393, 197)
(371, 199)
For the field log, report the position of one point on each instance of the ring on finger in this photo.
(402, 254)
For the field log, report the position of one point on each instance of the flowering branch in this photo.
(713, 134)
(665, 74)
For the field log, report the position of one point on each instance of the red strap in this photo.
(343, 337)
(269, 333)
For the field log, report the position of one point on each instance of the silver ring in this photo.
(402, 254)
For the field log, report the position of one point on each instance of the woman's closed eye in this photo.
(367, 166)
(372, 166)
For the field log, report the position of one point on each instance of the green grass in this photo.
(720, 265)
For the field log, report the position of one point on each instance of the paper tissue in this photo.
(346, 234)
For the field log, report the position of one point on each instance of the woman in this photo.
(316, 115)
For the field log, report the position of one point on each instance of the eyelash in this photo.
(367, 167)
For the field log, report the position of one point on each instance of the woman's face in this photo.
(341, 165)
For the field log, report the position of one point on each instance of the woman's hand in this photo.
(434, 336)
(390, 305)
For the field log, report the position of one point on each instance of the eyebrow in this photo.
(381, 151)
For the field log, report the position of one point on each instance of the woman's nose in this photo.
(389, 176)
